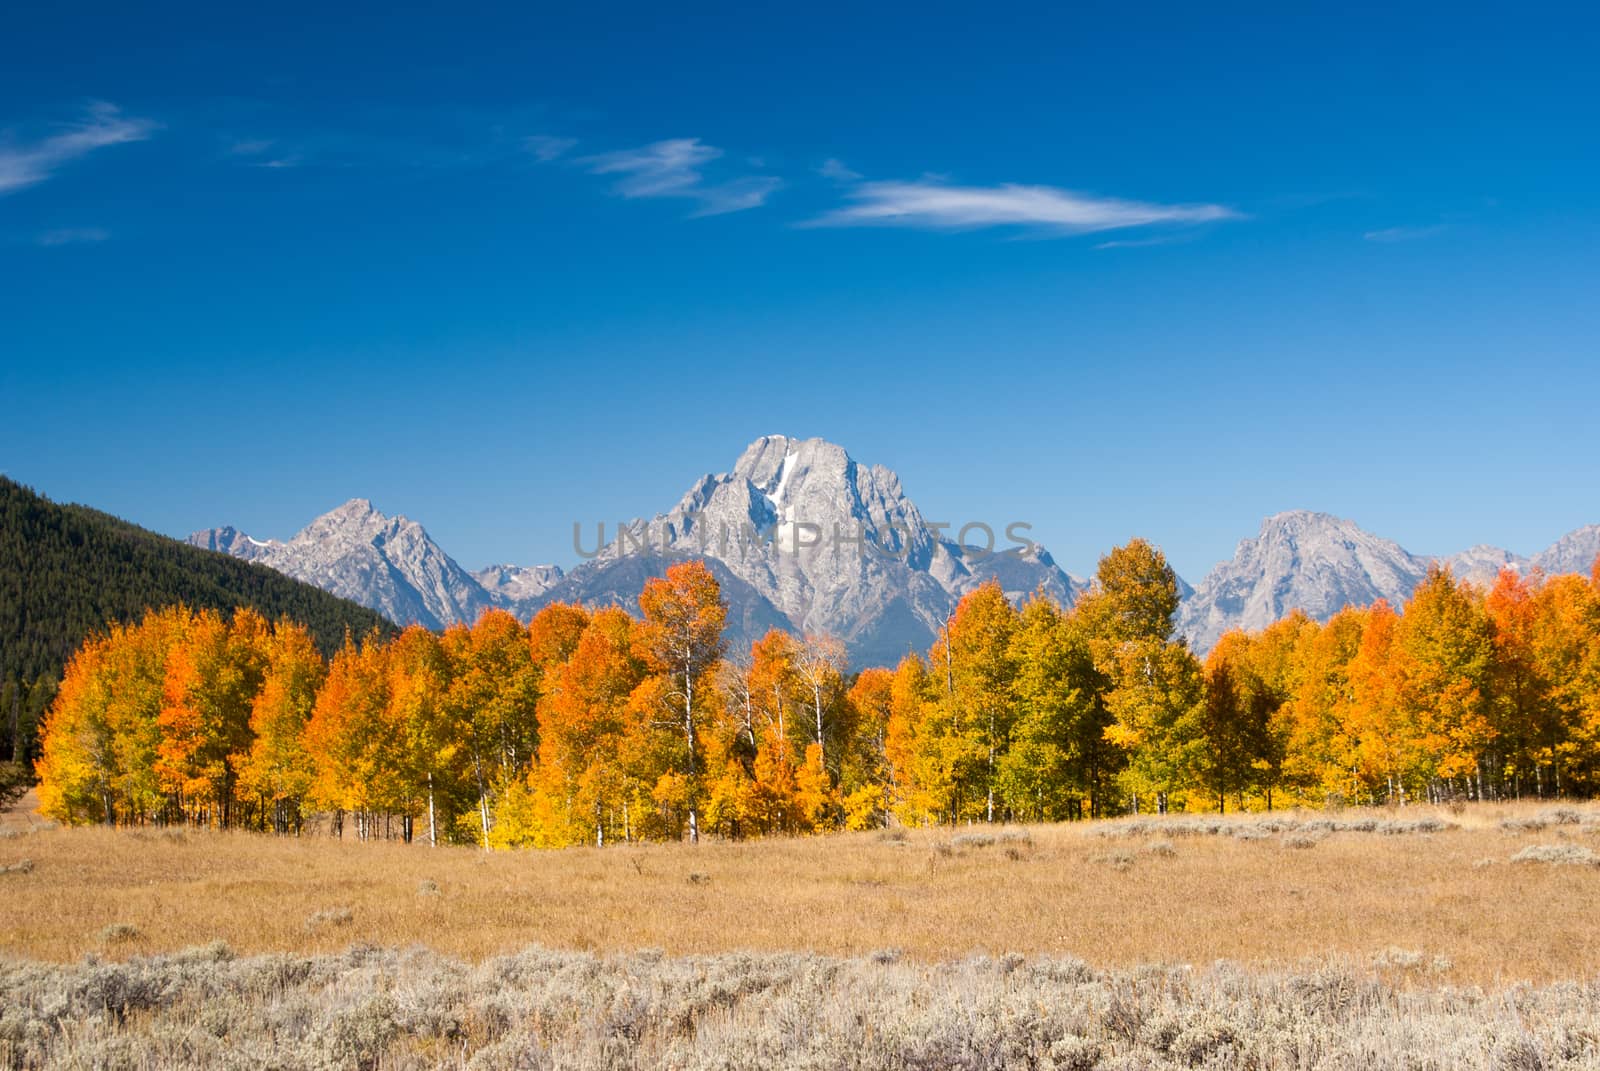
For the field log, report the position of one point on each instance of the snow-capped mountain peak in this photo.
(804, 537)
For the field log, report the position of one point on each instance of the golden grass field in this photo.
(1115, 901)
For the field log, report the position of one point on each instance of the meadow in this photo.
(1291, 939)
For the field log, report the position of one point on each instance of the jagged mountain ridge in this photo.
(389, 564)
(1319, 564)
(801, 536)
(884, 595)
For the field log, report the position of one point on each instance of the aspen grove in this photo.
(597, 726)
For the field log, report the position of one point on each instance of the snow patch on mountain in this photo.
(512, 584)
(1481, 564)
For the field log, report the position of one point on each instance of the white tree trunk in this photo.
(433, 829)
(688, 733)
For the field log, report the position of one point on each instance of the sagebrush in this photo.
(369, 1008)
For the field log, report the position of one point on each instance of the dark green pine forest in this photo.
(65, 571)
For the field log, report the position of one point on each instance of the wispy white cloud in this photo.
(267, 152)
(661, 169)
(673, 168)
(73, 236)
(935, 204)
(23, 165)
(1141, 243)
(1404, 234)
(546, 148)
(251, 146)
(837, 171)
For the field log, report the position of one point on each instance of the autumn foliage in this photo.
(597, 726)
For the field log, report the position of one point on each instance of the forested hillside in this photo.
(65, 571)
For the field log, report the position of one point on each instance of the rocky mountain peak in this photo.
(819, 543)
(1574, 552)
(390, 564)
(1300, 560)
(1481, 564)
(229, 540)
(515, 584)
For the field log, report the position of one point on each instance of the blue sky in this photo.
(1154, 273)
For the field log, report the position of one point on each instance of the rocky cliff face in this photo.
(801, 536)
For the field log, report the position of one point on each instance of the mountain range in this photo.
(804, 538)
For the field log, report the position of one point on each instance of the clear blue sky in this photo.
(1154, 271)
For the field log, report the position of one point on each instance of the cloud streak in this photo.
(546, 148)
(1404, 234)
(27, 165)
(73, 236)
(937, 205)
(835, 169)
(673, 168)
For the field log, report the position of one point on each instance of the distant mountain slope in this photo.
(390, 564)
(514, 584)
(66, 570)
(1482, 564)
(1300, 560)
(1319, 564)
(1574, 552)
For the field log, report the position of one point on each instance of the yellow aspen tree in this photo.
(680, 638)
(277, 768)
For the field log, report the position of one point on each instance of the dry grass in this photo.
(372, 1008)
(1279, 891)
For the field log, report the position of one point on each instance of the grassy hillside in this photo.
(67, 570)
